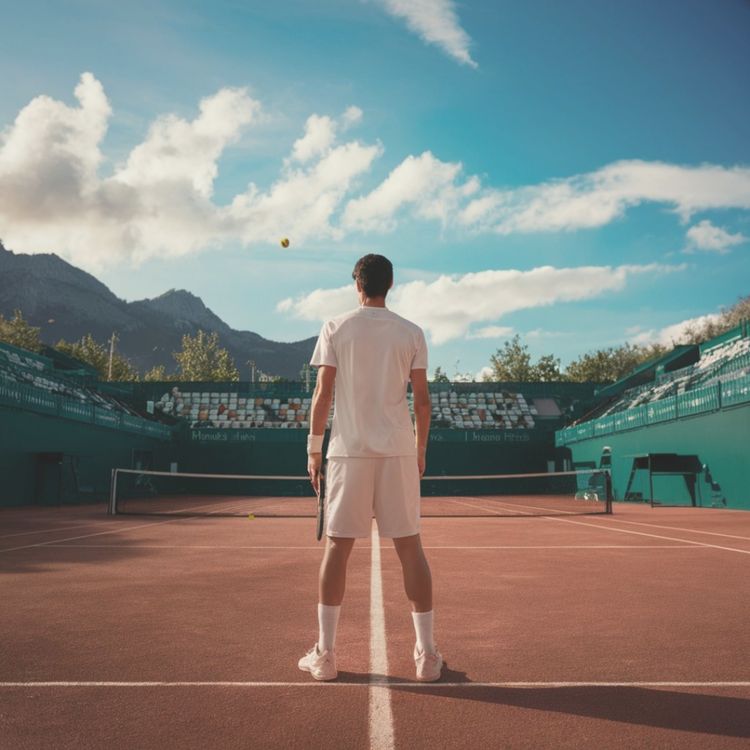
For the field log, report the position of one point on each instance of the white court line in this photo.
(570, 546)
(117, 530)
(189, 546)
(488, 511)
(679, 528)
(385, 685)
(639, 533)
(362, 548)
(517, 509)
(48, 531)
(380, 714)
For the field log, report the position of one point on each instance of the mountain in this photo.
(66, 302)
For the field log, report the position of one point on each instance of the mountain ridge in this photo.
(66, 302)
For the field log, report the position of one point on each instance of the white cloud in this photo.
(423, 182)
(673, 334)
(352, 116)
(436, 22)
(448, 306)
(438, 190)
(490, 332)
(484, 372)
(541, 333)
(598, 198)
(706, 236)
(159, 201)
(320, 133)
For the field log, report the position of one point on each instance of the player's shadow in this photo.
(727, 716)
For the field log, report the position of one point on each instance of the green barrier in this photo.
(661, 411)
(77, 410)
(604, 425)
(736, 391)
(29, 398)
(106, 418)
(698, 401)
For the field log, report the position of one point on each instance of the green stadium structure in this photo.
(676, 430)
(63, 431)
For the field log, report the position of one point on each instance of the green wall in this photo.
(721, 440)
(283, 452)
(24, 433)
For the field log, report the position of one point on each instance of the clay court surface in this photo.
(616, 631)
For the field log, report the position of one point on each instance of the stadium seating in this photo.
(450, 409)
(232, 410)
(481, 410)
(25, 368)
(719, 364)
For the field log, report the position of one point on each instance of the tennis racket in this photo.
(321, 502)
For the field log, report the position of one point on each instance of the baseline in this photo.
(383, 682)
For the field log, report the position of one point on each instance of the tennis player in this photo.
(375, 459)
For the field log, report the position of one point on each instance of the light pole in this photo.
(112, 340)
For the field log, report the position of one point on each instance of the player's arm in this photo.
(422, 414)
(321, 407)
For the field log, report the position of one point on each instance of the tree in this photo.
(738, 312)
(727, 319)
(90, 351)
(19, 332)
(439, 376)
(202, 358)
(548, 369)
(158, 373)
(609, 365)
(513, 363)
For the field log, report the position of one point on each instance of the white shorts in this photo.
(358, 488)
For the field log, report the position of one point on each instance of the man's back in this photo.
(374, 350)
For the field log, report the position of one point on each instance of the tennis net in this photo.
(191, 494)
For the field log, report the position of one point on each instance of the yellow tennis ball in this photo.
(285, 242)
(251, 516)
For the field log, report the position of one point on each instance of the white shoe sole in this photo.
(431, 678)
(319, 678)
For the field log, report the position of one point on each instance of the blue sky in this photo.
(575, 172)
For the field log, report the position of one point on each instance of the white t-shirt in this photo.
(374, 351)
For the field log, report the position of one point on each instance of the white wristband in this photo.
(314, 444)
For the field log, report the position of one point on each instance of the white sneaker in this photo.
(429, 665)
(322, 666)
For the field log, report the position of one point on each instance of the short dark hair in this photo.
(374, 273)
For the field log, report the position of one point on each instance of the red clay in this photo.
(86, 597)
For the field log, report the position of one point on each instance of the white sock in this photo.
(328, 619)
(423, 628)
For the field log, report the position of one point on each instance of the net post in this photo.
(112, 509)
(608, 492)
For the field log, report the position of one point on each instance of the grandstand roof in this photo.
(63, 361)
(680, 356)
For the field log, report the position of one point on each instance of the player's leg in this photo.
(397, 501)
(331, 587)
(332, 578)
(416, 572)
(348, 516)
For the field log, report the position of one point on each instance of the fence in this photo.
(21, 396)
(697, 401)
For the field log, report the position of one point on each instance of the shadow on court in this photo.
(92, 549)
(655, 707)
